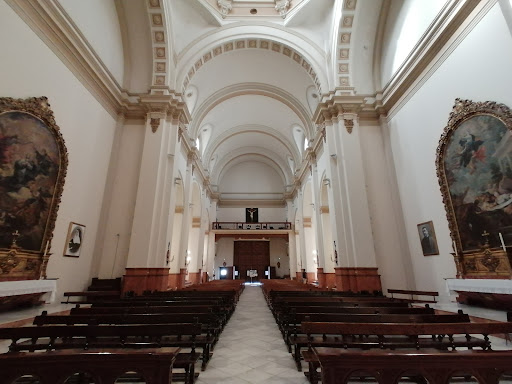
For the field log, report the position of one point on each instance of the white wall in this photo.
(31, 69)
(251, 177)
(277, 249)
(99, 23)
(392, 255)
(479, 70)
(407, 21)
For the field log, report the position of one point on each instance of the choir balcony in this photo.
(274, 225)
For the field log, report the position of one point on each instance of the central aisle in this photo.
(251, 348)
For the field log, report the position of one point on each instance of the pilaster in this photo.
(350, 214)
(152, 225)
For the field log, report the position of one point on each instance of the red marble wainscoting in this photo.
(139, 280)
(357, 279)
(330, 280)
(193, 277)
(321, 277)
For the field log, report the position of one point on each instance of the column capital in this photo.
(170, 106)
(335, 106)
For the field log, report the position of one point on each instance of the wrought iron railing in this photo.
(272, 225)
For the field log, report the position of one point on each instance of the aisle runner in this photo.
(251, 348)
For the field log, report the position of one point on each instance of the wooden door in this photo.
(252, 255)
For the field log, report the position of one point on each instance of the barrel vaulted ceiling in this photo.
(251, 72)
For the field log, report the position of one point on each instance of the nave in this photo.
(251, 349)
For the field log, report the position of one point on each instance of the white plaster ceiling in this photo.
(249, 77)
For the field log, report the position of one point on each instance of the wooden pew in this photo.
(297, 338)
(413, 295)
(211, 325)
(55, 337)
(105, 366)
(79, 310)
(393, 336)
(98, 290)
(293, 335)
(339, 365)
(286, 317)
(90, 296)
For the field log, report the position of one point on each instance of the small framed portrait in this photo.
(428, 239)
(74, 240)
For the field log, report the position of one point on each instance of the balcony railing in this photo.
(272, 225)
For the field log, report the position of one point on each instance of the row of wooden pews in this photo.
(185, 324)
(329, 329)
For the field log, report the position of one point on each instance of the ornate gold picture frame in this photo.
(474, 169)
(33, 164)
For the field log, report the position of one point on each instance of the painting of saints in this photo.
(29, 168)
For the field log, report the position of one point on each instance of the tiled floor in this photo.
(251, 348)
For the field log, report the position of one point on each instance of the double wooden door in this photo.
(251, 255)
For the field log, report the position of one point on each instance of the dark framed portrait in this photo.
(428, 238)
(251, 215)
(74, 240)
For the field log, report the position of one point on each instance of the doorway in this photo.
(252, 255)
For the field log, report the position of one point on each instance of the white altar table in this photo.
(24, 287)
(499, 286)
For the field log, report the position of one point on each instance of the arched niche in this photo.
(33, 163)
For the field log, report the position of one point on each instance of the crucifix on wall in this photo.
(251, 215)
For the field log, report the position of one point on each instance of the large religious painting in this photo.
(33, 162)
(474, 165)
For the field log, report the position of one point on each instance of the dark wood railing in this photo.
(269, 225)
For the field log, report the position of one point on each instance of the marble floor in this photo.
(251, 348)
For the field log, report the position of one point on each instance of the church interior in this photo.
(358, 146)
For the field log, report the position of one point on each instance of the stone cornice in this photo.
(438, 42)
(172, 105)
(334, 106)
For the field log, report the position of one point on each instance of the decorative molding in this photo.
(349, 125)
(155, 123)
(439, 41)
(335, 106)
(171, 106)
(157, 24)
(252, 44)
(225, 6)
(282, 6)
(345, 42)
